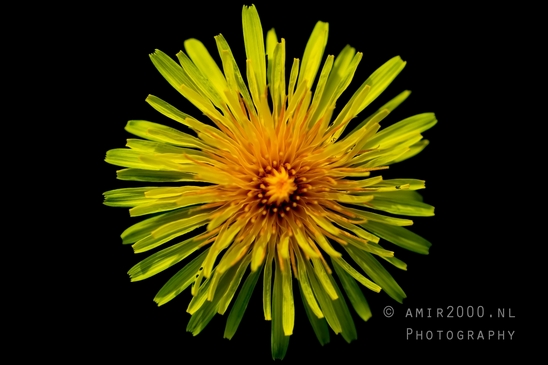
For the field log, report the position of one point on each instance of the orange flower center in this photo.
(279, 186)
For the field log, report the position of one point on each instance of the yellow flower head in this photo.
(275, 187)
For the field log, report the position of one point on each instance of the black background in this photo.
(459, 66)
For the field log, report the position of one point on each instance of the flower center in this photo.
(279, 186)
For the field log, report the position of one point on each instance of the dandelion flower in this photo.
(272, 188)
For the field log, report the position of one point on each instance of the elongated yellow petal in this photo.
(313, 54)
(207, 66)
(254, 48)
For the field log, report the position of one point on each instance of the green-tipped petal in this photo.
(180, 281)
(377, 273)
(399, 236)
(279, 340)
(403, 202)
(319, 325)
(348, 328)
(164, 259)
(326, 303)
(353, 292)
(239, 307)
